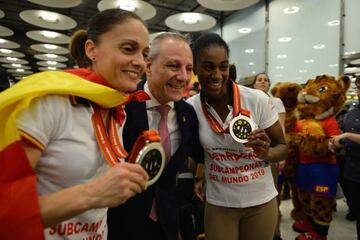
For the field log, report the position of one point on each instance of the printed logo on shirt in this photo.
(230, 156)
(72, 228)
(243, 166)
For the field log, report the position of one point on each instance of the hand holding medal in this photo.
(149, 153)
(147, 150)
(259, 142)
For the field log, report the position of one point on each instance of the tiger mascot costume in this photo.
(317, 171)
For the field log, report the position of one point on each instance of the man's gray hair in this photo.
(154, 47)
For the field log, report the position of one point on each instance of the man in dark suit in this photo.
(153, 214)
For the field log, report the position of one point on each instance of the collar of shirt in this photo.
(152, 103)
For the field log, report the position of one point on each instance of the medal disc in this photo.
(152, 158)
(240, 128)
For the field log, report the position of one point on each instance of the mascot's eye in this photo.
(323, 88)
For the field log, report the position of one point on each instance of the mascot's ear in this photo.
(294, 88)
(344, 82)
(275, 89)
(309, 82)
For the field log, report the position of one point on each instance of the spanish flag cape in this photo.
(19, 208)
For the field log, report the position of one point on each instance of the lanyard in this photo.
(109, 141)
(237, 110)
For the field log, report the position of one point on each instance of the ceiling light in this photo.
(50, 55)
(49, 34)
(190, 18)
(349, 53)
(51, 62)
(49, 16)
(7, 51)
(334, 23)
(12, 58)
(250, 50)
(2, 41)
(16, 65)
(291, 10)
(279, 67)
(127, 5)
(244, 30)
(285, 39)
(251, 63)
(281, 56)
(302, 71)
(309, 60)
(20, 70)
(253, 72)
(333, 65)
(50, 46)
(319, 46)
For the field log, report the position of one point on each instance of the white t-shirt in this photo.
(71, 157)
(278, 104)
(235, 177)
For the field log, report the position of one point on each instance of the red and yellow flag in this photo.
(19, 208)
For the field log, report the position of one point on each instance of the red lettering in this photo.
(52, 230)
(85, 228)
(222, 156)
(213, 177)
(61, 231)
(214, 156)
(77, 227)
(229, 156)
(238, 179)
(70, 229)
(94, 226)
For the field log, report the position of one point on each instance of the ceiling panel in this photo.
(81, 13)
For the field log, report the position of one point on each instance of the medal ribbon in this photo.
(151, 135)
(214, 124)
(111, 145)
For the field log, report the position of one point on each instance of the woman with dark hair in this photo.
(240, 134)
(55, 180)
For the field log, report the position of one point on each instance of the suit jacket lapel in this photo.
(181, 119)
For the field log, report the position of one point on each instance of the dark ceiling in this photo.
(82, 13)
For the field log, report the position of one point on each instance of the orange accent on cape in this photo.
(19, 207)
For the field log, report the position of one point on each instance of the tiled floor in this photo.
(340, 228)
